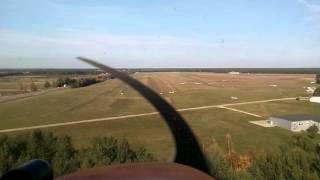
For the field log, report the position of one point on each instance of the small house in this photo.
(295, 123)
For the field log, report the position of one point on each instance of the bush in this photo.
(66, 158)
(60, 82)
(58, 151)
(299, 159)
(219, 168)
(317, 92)
(47, 85)
(108, 151)
(313, 129)
(33, 87)
(61, 154)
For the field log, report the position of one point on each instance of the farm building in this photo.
(295, 123)
(316, 96)
(234, 72)
(315, 99)
(103, 77)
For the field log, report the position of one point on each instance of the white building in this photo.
(315, 99)
(234, 72)
(295, 123)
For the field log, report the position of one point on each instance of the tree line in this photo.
(61, 154)
(298, 158)
(75, 83)
(32, 86)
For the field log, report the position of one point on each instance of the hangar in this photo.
(295, 123)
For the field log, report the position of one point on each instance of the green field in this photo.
(113, 98)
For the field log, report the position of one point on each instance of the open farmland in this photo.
(21, 84)
(12, 85)
(183, 90)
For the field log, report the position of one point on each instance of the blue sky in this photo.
(160, 33)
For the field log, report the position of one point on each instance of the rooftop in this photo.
(300, 117)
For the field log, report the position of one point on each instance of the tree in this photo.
(47, 85)
(60, 82)
(68, 81)
(76, 83)
(299, 159)
(231, 157)
(317, 92)
(21, 86)
(66, 159)
(33, 87)
(109, 150)
(62, 155)
(219, 168)
(54, 84)
(313, 130)
(318, 78)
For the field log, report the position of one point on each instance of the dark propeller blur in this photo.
(188, 151)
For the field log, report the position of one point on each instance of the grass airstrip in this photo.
(183, 90)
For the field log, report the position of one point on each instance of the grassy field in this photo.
(12, 85)
(113, 98)
(282, 108)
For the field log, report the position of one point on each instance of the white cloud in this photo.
(314, 10)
